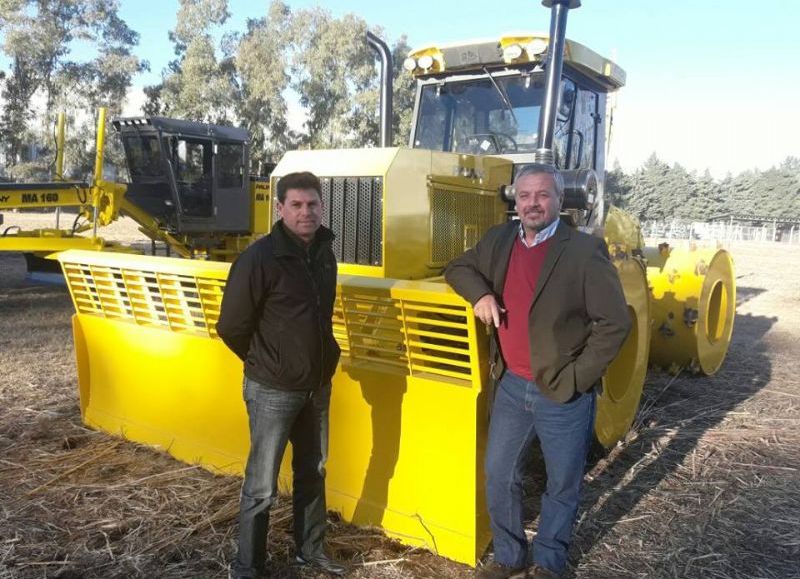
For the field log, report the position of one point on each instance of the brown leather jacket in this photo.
(579, 318)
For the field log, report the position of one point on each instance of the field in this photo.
(707, 485)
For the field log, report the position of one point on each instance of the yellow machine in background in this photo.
(188, 188)
(410, 403)
(98, 204)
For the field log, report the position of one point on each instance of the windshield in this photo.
(473, 116)
(144, 156)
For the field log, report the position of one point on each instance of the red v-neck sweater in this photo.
(524, 267)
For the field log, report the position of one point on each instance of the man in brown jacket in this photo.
(560, 317)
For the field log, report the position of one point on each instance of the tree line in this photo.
(248, 78)
(659, 191)
(245, 78)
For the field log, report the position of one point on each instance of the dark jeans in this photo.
(277, 417)
(521, 413)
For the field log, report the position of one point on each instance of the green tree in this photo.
(198, 85)
(617, 187)
(261, 63)
(404, 90)
(657, 191)
(45, 77)
(709, 201)
(322, 61)
(646, 198)
(333, 71)
(743, 191)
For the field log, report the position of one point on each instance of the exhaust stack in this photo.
(386, 87)
(555, 64)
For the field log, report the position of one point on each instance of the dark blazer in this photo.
(579, 318)
(277, 311)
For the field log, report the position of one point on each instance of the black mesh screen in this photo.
(353, 211)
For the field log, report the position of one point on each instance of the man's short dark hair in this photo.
(299, 180)
(535, 168)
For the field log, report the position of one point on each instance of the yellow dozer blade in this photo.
(409, 405)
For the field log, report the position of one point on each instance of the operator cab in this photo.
(486, 98)
(190, 176)
(498, 114)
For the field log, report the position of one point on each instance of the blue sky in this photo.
(711, 83)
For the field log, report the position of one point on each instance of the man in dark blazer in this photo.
(559, 316)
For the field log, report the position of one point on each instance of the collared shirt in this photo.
(541, 236)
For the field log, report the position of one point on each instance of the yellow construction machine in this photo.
(188, 188)
(410, 404)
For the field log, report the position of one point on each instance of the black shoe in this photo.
(539, 572)
(495, 570)
(323, 563)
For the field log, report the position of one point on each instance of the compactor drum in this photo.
(693, 302)
(412, 394)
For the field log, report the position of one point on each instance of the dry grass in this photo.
(705, 486)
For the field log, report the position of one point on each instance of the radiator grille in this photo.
(405, 335)
(458, 220)
(354, 212)
(180, 303)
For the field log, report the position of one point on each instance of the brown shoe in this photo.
(539, 572)
(495, 570)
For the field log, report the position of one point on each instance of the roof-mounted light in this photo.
(410, 64)
(536, 46)
(425, 61)
(512, 52)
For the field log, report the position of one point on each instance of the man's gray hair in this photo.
(536, 168)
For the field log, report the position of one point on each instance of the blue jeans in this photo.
(521, 413)
(277, 417)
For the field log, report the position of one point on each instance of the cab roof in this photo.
(510, 51)
(180, 127)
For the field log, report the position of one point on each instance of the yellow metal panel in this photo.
(624, 379)
(623, 229)
(416, 471)
(178, 392)
(356, 269)
(47, 243)
(164, 265)
(56, 196)
(261, 201)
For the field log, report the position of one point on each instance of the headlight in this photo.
(410, 64)
(425, 61)
(512, 52)
(537, 46)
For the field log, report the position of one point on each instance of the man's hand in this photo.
(487, 310)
